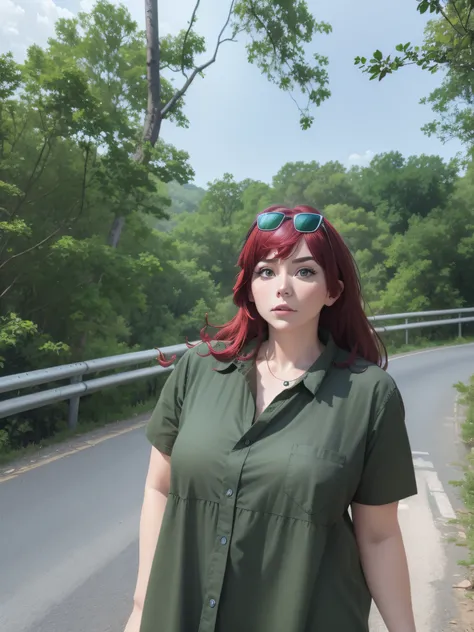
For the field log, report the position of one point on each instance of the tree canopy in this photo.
(71, 123)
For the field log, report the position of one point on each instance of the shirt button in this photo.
(247, 442)
(223, 540)
(212, 603)
(229, 493)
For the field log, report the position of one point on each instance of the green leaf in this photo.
(423, 6)
(277, 33)
(378, 55)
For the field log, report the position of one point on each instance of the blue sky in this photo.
(241, 124)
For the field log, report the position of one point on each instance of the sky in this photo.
(243, 125)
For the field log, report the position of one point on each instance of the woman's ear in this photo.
(330, 300)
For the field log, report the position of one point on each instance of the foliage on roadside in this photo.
(467, 400)
(466, 484)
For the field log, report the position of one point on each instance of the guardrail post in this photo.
(459, 327)
(73, 413)
(406, 332)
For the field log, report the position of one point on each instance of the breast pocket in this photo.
(314, 482)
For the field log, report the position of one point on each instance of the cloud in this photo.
(363, 160)
(48, 9)
(42, 19)
(86, 5)
(10, 17)
(24, 22)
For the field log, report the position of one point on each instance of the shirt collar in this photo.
(241, 365)
(315, 374)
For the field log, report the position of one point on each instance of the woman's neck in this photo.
(293, 350)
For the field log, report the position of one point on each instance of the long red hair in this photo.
(345, 319)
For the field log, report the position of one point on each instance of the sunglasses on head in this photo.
(303, 222)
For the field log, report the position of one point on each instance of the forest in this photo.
(101, 253)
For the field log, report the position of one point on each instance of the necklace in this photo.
(286, 383)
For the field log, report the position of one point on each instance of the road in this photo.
(68, 529)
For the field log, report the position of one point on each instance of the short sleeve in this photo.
(163, 427)
(388, 475)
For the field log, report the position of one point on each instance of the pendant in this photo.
(285, 383)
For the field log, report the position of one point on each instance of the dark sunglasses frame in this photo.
(313, 220)
(283, 216)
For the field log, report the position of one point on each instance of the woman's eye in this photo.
(267, 273)
(262, 272)
(306, 272)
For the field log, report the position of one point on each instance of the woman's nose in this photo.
(285, 286)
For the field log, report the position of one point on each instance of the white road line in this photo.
(421, 464)
(435, 487)
(441, 498)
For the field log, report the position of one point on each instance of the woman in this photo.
(277, 511)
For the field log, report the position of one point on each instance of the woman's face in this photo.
(290, 293)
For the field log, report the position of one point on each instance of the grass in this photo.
(466, 484)
(426, 344)
(129, 412)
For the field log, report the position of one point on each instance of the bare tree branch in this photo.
(41, 197)
(15, 141)
(469, 18)
(84, 181)
(459, 16)
(24, 252)
(177, 96)
(263, 25)
(445, 16)
(191, 24)
(7, 289)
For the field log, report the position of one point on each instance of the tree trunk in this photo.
(115, 231)
(153, 118)
(151, 131)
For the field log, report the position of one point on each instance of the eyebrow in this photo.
(299, 260)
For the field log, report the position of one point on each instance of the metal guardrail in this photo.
(76, 371)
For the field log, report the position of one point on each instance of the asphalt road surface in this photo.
(68, 529)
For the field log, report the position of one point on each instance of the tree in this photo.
(367, 236)
(396, 188)
(212, 235)
(454, 48)
(314, 184)
(278, 31)
(431, 263)
(223, 199)
(448, 45)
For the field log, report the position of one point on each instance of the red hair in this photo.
(345, 320)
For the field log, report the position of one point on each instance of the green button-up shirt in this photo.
(256, 535)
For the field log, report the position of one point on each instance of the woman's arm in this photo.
(154, 502)
(384, 563)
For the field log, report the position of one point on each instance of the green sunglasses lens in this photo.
(270, 221)
(307, 222)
